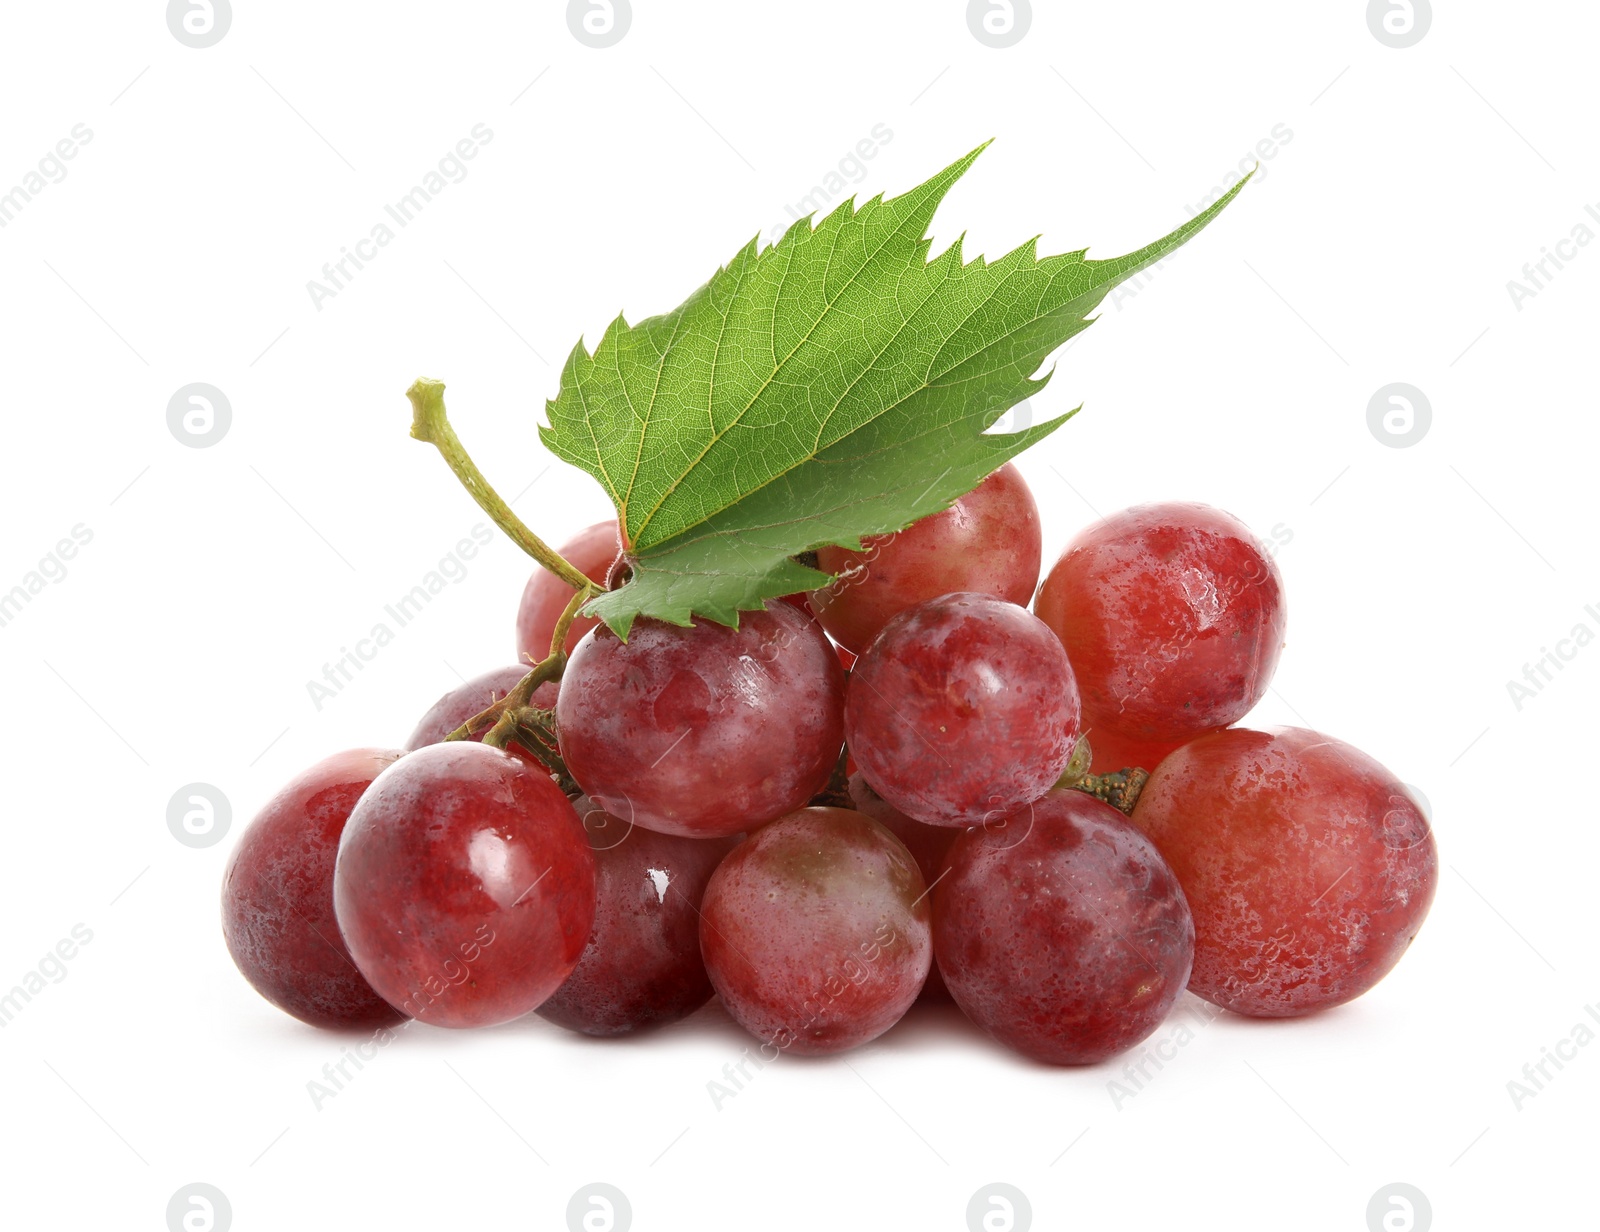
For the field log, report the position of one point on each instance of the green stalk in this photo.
(430, 423)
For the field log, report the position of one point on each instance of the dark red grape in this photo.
(464, 886)
(703, 731)
(1061, 931)
(963, 709)
(815, 931)
(277, 897)
(1173, 617)
(592, 552)
(801, 602)
(1309, 866)
(642, 966)
(474, 697)
(987, 543)
(927, 844)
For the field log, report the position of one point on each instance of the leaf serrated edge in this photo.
(621, 621)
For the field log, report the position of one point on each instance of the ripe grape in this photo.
(987, 542)
(474, 697)
(464, 886)
(703, 731)
(927, 844)
(642, 966)
(1309, 866)
(277, 897)
(1112, 751)
(592, 551)
(815, 932)
(1061, 931)
(962, 709)
(1173, 618)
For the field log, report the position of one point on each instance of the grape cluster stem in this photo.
(514, 718)
(1120, 789)
(431, 424)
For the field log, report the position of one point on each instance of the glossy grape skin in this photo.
(815, 932)
(1061, 931)
(1173, 617)
(642, 966)
(988, 542)
(592, 551)
(464, 886)
(962, 709)
(704, 731)
(1309, 866)
(927, 844)
(1112, 751)
(474, 697)
(277, 897)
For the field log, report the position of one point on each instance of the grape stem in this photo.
(430, 423)
(514, 701)
(515, 718)
(1120, 790)
(533, 729)
(552, 667)
(558, 635)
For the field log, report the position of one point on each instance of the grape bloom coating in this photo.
(815, 931)
(277, 897)
(1309, 866)
(1173, 618)
(704, 731)
(1061, 931)
(927, 844)
(464, 886)
(988, 542)
(963, 709)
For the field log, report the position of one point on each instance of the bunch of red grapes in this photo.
(691, 830)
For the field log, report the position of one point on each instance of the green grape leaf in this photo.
(835, 384)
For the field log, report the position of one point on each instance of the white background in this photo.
(177, 648)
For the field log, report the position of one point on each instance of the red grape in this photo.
(642, 966)
(1309, 866)
(464, 886)
(592, 551)
(962, 709)
(1173, 618)
(815, 931)
(927, 844)
(1112, 751)
(1061, 931)
(703, 731)
(277, 897)
(474, 697)
(987, 542)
